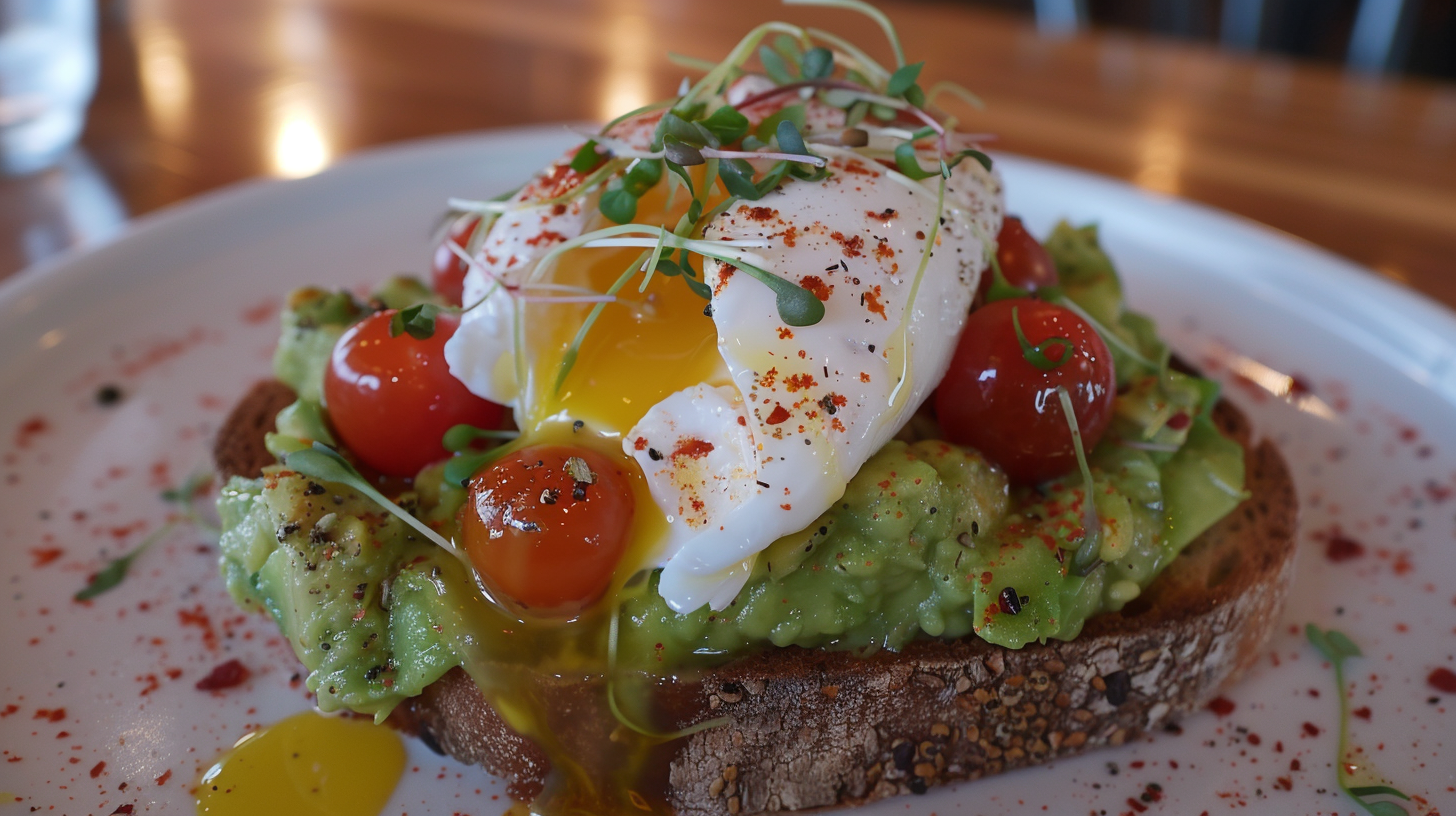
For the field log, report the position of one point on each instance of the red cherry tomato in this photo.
(995, 400)
(1024, 262)
(390, 399)
(447, 272)
(539, 534)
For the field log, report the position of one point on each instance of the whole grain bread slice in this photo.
(810, 728)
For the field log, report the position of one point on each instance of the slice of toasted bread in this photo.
(811, 728)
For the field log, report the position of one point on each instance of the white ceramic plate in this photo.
(180, 315)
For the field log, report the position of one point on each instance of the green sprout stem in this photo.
(1086, 558)
(1337, 647)
(867, 10)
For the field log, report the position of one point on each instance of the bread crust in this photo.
(810, 728)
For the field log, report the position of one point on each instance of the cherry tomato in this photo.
(390, 399)
(996, 400)
(447, 272)
(546, 525)
(1024, 262)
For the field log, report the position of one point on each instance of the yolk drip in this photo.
(306, 765)
(641, 349)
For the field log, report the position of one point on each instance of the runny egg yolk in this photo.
(306, 765)
(642, 348)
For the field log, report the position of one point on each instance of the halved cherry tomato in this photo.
(996, 400)
(447, 271)
(546, 525)
(1024, 262)
(391, 399)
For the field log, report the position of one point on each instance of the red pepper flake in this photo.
(547, 237)
(758, 213)
(873, 304)
(29, 430)
(1363, 712)
(1284, 783)
(817, 287)
(1221, 706)
(53, 715)
(41, 557)
(123, 810)
(162, 780)
(1311, 730)
(225, 676)
(692, 448)
(1340, 548)
(197, 616)
(799, 382)
(1294, 765)
(640, 443)
(1136, 805)
(851, 247)
(1442, 679)
(99, 767)
(1254, 739)
(8, 710)
(778, 415)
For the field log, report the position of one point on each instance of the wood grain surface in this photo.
(197, 95)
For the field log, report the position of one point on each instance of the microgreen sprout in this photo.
(325, 464)
(1337, 647)
(1086, 558)
(110, 576)
(462, 437)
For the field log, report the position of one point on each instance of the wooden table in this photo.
(195, 95)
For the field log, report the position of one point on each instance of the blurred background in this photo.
(1334, 120)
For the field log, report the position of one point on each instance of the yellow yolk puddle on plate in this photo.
(306, 765)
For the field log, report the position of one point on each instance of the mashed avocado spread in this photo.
(928, 539)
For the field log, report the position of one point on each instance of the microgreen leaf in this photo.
(790, 140)
(903, 78)
(325, 464)
(680, 154)
(684, 131)
(727, 124)
(642, 176)
(1341, 644)
(586, 158)
(737, 175)
(915, 96)
(774, 66)
(840, 97)
(418, 321)
(818, 63)
(768, 127)
(771, 179)
(698, 288)
(461, 437)
(1036, 355)
(619, 205)
(687, 178)
(459, 469)
(971, 153)
(108, 578)
(884, 113)
(1384, 808)
(667, 267)
(797, 306)
(856, 113)
(907, 164)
